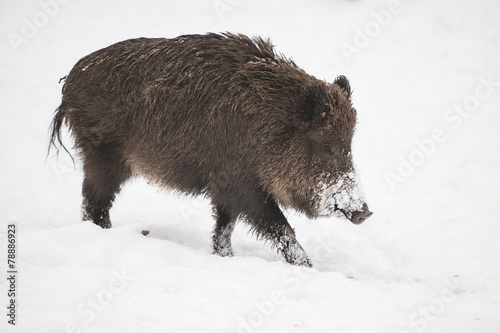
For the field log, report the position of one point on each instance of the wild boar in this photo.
(219, 115)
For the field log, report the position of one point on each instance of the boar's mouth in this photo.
(340, 213)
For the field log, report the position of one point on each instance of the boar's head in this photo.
(335, 189)
(319, 177)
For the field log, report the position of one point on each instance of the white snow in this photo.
(425, 80)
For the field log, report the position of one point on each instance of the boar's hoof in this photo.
(306, 262)
(293, 252)
(223, 251)
(103, 222)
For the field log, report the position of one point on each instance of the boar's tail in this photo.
(55, 129)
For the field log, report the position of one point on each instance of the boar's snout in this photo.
(360, 216)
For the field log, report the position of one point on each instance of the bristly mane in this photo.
(259, 47)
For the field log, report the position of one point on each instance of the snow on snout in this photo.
(343, 194)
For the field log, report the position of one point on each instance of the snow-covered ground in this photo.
(426, 86)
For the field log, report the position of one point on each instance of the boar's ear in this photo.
(343, 83)
(313, 101)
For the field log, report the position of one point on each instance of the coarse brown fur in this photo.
(221, 115)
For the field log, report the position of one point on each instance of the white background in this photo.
(427, 261)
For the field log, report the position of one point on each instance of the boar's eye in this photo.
(328, 149)
(332, 149)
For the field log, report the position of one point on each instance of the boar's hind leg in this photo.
(269, 222)
(104, 172)
(222, 233)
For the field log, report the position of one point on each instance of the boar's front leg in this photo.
(269, 223)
